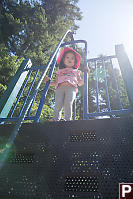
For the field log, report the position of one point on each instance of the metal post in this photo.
(126, 70)
(97, 88)
(106, 85)
(85, 86)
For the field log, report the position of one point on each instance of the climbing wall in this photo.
(62, 160)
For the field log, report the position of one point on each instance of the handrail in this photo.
(13, 117)
(28, 103)
(108, 111)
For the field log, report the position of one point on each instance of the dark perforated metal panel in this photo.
(68, 160)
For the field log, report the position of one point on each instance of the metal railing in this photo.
(40, 72)
(37, 73)
(33, 88)
(100, 67)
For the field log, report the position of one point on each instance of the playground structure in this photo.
(76, 159)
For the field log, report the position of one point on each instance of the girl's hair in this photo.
(62, 65)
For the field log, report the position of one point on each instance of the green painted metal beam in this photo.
(126, 70)
(13, 89)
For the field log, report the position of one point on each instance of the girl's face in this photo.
(69, 60)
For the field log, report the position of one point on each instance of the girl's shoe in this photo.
(62, 120)
(51, 120)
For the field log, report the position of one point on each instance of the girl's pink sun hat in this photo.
(78, 56)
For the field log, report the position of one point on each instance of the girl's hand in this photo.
(46, 79)
(51, 83)
(87, 69)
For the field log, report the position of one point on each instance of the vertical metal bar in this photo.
(116, 85)
(126, 70)
(74, 109)
(85, 86)
(28, 113)
(11, 114)
(28, 92)
(29, 110)
(74, 103)
(97, 88)
(106, 86)
(39, 110)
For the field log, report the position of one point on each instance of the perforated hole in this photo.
(81, 184)
(83, 136)
(19, 158)
(24, 187)
(107, 172)
(42, 147)
(84, 166)
(85, 162)
(116, 157)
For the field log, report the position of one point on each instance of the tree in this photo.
(8, 67)
(32, 30)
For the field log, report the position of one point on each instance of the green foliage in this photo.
(33, 29)
(2, 89)
(46, 114)
(8, 67)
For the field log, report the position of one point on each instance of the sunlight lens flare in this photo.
(6, 149)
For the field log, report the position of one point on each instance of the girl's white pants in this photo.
(64, 97)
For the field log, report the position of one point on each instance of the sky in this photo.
(105, 24)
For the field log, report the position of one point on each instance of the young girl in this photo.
(67, 81)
